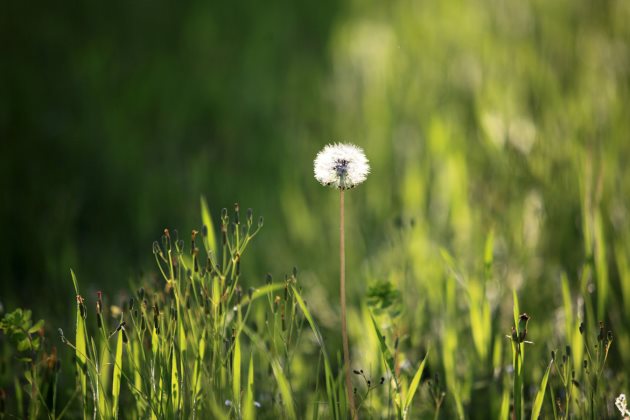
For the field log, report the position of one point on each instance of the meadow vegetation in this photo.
(488, 256)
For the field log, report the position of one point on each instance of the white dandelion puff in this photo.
(341, 166)
(622, 405)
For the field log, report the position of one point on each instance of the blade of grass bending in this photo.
(332, 400)
(385, 352)
(415, 382)
(540, 395)
(388, 358)
(260, 292)
(285, 389)
(117, 374)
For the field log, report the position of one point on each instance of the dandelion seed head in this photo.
(622, 405)
(341, 166)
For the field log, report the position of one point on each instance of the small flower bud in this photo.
(261, 221)
(250, 216)
(268, 278)
(237, 210)
(581, 328)
(522, 327)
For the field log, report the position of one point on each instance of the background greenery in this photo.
(477, 116)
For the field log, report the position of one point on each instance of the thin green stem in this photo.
(342, 298)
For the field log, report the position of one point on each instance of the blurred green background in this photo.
(502, 115)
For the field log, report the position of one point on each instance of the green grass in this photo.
(198, 343)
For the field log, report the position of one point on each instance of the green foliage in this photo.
(19, 327)
(382, 297)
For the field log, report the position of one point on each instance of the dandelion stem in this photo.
(342, 298)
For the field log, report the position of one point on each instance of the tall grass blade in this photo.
(415, 382)
(236, 374)
(248, 406)
(81, 344)
(332, 396)
(117, 374)
(540, 395)
(175, 394)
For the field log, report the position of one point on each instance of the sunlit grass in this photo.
(198, 344)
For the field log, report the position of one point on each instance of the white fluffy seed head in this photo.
(622, 405)
(341, 166)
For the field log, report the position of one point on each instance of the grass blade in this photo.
(414, 386)
(385, 352)
(248, 406)
(236, 374)
(117, 374)
(210, 240)
(174, 385)
(330, 388)
(540, 395)
(81, 344)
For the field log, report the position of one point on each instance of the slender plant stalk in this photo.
(342, 298)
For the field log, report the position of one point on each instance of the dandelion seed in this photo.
(341, 166)
(622, 405)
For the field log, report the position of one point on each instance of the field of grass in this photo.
(487, 255)
(198, 343)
